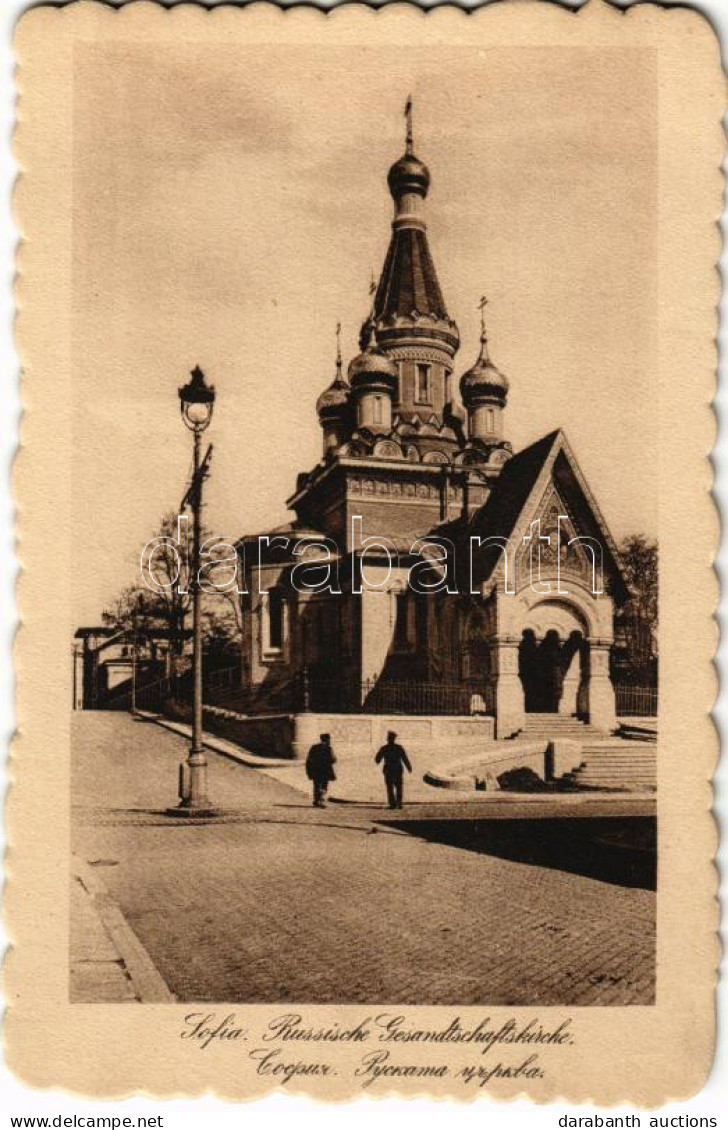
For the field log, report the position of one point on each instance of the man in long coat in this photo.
(320, 769)
(395, 761)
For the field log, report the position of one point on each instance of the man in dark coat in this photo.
(395, 760)
(320, 769)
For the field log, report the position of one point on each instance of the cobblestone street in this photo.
(285, 903)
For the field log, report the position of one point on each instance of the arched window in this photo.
(377, 409)
(274, 623)
(424, 392)
(490, 421)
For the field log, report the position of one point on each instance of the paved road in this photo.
(287, 903)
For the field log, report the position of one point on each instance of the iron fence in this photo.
(326, 693)
(635, 702)
(385, 696)
(424, 698)
(311, 691)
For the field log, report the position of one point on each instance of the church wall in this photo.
(381, 516)
(263, 659)
(328, 516)
(356, 737)
(378, 618)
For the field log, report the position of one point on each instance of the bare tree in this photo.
(162, 612)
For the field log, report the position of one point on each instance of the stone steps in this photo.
(556, 725)
(617, 763)
(613, 767)
(578, 732)
(616, 771)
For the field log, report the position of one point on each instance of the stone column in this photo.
(570, 685)
(509, 700)
(602, 709)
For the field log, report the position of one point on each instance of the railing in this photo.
(326, 693)
(222, 679)
(384, 696)
(152, 695)
(424, 698)
(635, 702)
(309, 691)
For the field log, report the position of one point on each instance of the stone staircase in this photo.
(630, 766)
(554, 726)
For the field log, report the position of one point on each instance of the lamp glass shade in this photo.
(197, 413)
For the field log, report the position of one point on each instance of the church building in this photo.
(429, 571)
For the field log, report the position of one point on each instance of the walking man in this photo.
(320, 769)
(395, 761)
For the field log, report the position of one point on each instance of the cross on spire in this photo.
(338, 350)
(483, 335)
(409, 147)
(481, 306)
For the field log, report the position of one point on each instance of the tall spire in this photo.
(408, 284)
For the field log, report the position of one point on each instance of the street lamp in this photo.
(197, 400)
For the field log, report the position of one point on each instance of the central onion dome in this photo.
(409, 308)
(407, 175)
(372, 367)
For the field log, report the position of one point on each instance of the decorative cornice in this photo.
(433, 353)
(412, 331)
(375, 485)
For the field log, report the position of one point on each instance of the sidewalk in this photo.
(108, 963)
(359, 782)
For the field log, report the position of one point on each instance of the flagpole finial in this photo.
(338, 349)
(409, 144)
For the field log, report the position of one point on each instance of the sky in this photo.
(230, 205)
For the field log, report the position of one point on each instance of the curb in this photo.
(146, 979)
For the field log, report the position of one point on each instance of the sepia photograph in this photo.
(366, 666)
(366, 541)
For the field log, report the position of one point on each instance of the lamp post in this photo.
(137, 611)
(197, 400)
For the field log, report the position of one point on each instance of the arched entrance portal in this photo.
(553, 660)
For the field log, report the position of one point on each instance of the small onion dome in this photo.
(484, 381)
(408, 175)
(333, 401)
(372, 367)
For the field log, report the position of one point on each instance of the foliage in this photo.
(166, 615)
(638, 618)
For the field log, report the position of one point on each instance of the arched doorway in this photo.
(553, 660)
